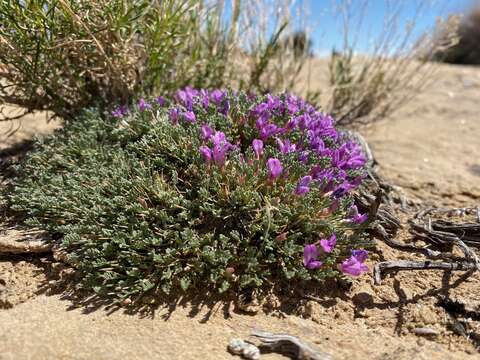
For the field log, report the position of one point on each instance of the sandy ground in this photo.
(431, 148)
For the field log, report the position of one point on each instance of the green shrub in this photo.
(66, 55)
(213, 189)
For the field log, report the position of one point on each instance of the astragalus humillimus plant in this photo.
(213, 189)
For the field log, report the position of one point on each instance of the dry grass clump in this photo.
(467, 48)
(365, 88)
(65, 55)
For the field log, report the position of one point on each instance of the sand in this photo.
(431, 148)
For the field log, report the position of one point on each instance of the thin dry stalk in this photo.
(366, 88)
(444, 234)
(427, 225)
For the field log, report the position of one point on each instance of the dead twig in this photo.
(389, 266)
(289, 345)
(443, 232)
(440, 233)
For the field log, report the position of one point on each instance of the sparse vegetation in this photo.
(367, 87)
(54, 59)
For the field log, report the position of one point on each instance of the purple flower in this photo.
(219, 139)
(189, 116)
(116, 113)
(357, 180)
(206, 132)
(356, 217)
(217, 96)
(185, 97)
(260, 112)
(348, 156)
(291, 124)
(303, 121)
(285, 146)
(274, 168)
(310, 257)
(360, 255)
(220, 147)
(160, 101)
(268, 130)
(318, 173)
(303, 185)
(257, 147)
(143, 105)
(204, 98)
(174, 115)
(342, 189)
(292, 107)
(120, 111)
(354, 265)
(206, 153)
(328, 244)
(219, 154)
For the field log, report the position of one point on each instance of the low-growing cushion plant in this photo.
(211, 189)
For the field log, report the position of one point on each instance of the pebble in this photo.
(247, 350)
(126, 302)
(425, 332)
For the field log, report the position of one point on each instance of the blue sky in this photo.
(326, 27)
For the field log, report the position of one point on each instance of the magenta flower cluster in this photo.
(282, 129)
(219, 146)
(354, 265)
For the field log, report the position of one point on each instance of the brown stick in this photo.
(388, 266)
(289, 345)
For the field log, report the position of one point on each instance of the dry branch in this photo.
(440, 233)
(389, 266)
(289, 345)
(444, 232)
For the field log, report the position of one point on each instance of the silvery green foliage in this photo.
(179, 193)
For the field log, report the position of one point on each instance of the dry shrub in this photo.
(366, 88)
(467, 48)
(64, 55)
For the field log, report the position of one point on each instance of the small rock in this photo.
(241, 347)
(420, 342)
(126, 302)
(425, 332)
